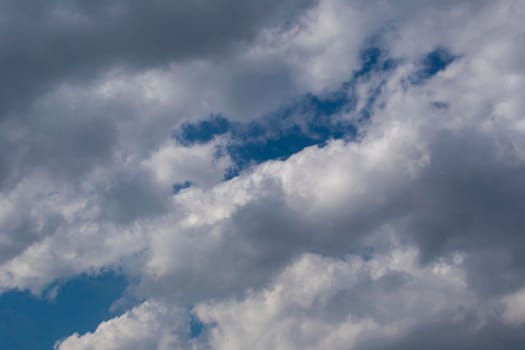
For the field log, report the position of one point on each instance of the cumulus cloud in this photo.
(407, 232)
(150, 325)
(324, 303)
(319, 302)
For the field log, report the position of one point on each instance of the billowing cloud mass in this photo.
(330, 174)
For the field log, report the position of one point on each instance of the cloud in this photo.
(319, 302)
(322, 303)
(514, 308)
(150, 325)
(407, 223)
(72, 40)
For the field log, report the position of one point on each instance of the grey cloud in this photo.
(454, 335)
(44, 43)
(133, 196)
(24, 229)
(64, 148)
(470, 199)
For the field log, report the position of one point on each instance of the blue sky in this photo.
(48, 319)
(309, 174)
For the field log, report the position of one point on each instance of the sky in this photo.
(289, 175)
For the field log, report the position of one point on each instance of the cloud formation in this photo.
(383, 210)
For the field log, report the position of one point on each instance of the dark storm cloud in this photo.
(44, 42)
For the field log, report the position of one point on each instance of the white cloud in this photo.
(174, 163)
(315, 303)
(514, 308)
(151, 325)
(321, 303)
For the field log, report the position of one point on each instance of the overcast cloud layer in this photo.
(401, 226)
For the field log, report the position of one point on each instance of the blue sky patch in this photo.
(431, 64)
(28, 322)
(309, 120)
(181, 186)
(203, 131)
(196, 326)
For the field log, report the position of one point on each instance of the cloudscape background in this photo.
(302, 174)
